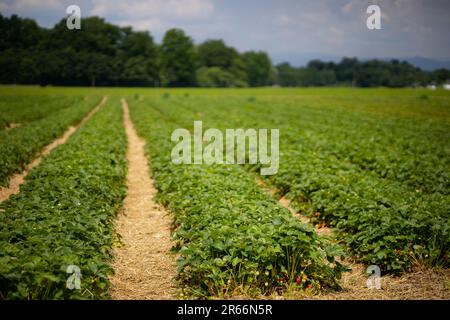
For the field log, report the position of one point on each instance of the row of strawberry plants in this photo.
(231, 236)
(19, 109)
(64, 215)
(20, 146)
(383, 221)
(420, 163)
(410, 151)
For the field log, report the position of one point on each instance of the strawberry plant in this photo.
(230, 235)
(383, 185)
(21, 145)
(20, 109)
(64, 215)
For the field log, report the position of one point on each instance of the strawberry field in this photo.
(63, 215)
(42, 120)
(372, 165)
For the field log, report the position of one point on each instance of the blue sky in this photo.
(291, 27)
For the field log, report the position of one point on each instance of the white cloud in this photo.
(349, 6)
(335, 31)
(191, 8)
(135, 9)
(400, 3)
(154, 15)
(142, 25)
(24, 5)
(283, 20)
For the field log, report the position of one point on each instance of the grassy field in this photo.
(370, 165)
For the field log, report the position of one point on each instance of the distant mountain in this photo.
(302, 59)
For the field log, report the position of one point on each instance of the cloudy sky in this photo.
(303, 27)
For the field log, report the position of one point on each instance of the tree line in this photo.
(103, 54)
(352, 72)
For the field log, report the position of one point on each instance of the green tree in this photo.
(346, 69)
(258, 67)
(177, 59)
(85, 56)
(214, 53)
(137, 62)
(441, 76)
(104, 54)
(19, 39)
(288, 76)
(214, 77)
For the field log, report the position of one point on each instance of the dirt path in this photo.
(144, 267)
(421, 284)
(18, 179)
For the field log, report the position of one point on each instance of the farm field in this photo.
(363, 180)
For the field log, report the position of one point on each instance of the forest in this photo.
(103, 54)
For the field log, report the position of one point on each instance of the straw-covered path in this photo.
(144, 267)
